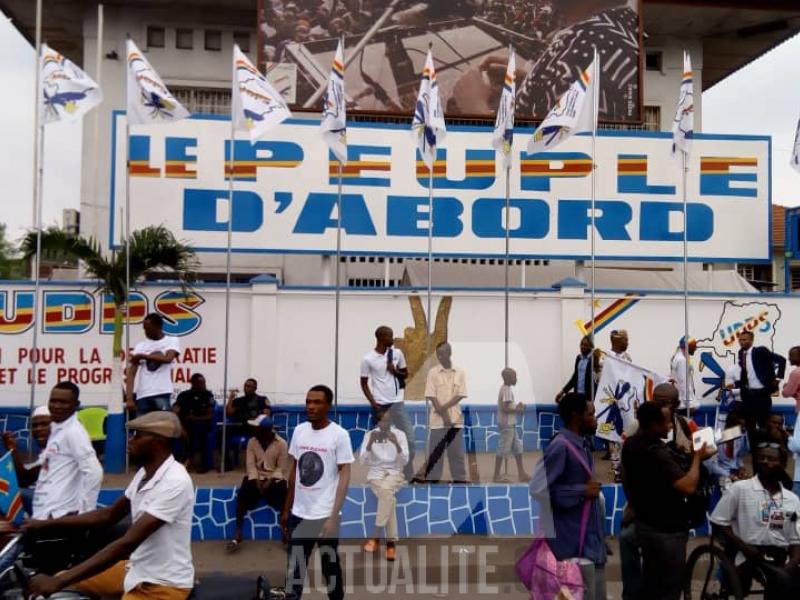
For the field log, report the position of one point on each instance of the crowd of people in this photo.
(667, 478)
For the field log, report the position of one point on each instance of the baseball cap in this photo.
(261, 421)
(160, 422)
(41, 411)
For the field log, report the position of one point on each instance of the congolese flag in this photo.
(256, 106)
(683, 123)
(503, 133)
(149, 100)
(10, 498)
(574, 112)
(334, 111)
(428, 125)
(67, 92)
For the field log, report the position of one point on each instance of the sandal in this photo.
(233, 546)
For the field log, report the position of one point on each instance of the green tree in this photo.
(11, 266)
(152, 250)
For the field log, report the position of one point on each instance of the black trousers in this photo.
(303, 536)
(756, 406)
(663, 562)
(249, 495)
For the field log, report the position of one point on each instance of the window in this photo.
(653, 61)
(794, 275)
(759, 276)
(207, 101)
(242, 38)
(652, 118)
(184, 39)
(155, 37)
(213, 40)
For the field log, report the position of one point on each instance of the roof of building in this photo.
(734, 32)
(553, 275)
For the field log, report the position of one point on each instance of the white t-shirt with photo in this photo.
(318, 454)
(152, 378)
(384, 385)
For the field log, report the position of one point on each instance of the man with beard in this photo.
(759, 517)
(153, 384)
(153, 559)
(569, 494)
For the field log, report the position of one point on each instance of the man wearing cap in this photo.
(28, 473)
(153, 559)
(267, 467)
(69, 475)
(677, 370)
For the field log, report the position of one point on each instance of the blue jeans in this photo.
(152, 403)
(399, 418)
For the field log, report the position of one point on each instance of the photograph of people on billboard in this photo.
(386, 42)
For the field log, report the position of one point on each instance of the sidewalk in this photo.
(425, 568)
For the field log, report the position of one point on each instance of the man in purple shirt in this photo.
(564, 485)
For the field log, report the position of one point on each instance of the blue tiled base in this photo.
(422, 511)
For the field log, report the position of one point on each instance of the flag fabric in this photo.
(256, 106)
(683, 123)
(622, 388)
(68, 92)
(149, 100)
(428, 126)
(796, 152)
(503, 133)
(334, 111)
(575, 111)
(10, 496)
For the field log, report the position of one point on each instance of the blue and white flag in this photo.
(149, 100)
(683, 123)
(796, 152)
(68, 92)
(256, 106)
(428, 126)
(503, 133)
(575, 111)
(334, 111)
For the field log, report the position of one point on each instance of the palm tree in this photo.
(152, 250)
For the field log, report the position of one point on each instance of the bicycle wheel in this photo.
(710, 575)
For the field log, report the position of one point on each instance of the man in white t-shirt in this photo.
(383, 375)
(154, 557)
(149, 370)
(385, 451)
(69, 474)
(319, 473)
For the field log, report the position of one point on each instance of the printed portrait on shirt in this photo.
(311, 468)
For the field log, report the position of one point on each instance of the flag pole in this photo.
(594, 83)
(508, 232)
(686, 281)
(337, 288)
(127, 349)
(231, 176)
(337, 270)
(38, 170)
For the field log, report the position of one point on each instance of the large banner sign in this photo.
(286, 192)
(386, 42)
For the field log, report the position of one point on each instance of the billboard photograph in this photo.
(386, 42)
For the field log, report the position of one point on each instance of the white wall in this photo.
(285, 338)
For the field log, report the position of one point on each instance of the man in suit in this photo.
(760, 371)
(581, 380)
